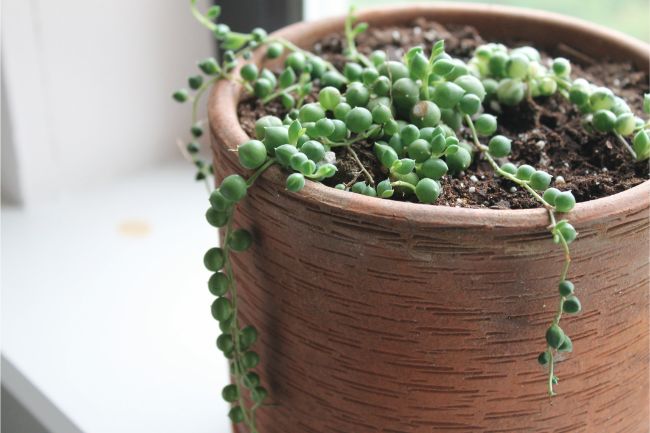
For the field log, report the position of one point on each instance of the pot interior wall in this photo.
(543, 30)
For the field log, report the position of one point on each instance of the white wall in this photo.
(88, 86)
(315, 9)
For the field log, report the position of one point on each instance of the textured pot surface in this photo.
(382, 316)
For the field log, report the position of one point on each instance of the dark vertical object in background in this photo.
(9, 179)
(244, 15)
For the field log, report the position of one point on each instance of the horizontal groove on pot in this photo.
(381, 316)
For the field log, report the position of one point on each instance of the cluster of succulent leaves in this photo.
(512, 75)
(413, 111)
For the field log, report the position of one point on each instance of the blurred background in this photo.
(628, 16)
(105, 323)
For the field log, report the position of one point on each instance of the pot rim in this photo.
(225, 127)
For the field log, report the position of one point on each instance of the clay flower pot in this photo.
(378, 315)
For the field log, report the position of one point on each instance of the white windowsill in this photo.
(112, 323)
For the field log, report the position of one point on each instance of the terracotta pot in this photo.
(378, 315)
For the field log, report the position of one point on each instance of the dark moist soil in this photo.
(547, 132)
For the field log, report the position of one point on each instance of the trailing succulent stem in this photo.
(414, 112)
(235, 341)
(562, 233)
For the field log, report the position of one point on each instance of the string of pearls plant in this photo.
(414, 110)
